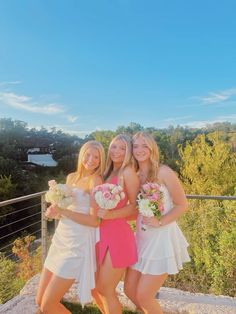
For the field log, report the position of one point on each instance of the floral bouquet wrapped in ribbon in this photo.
(108, 195)
(150, 201)
(60, 195)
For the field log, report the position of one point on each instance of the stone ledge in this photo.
(173, 301)
(19, 305)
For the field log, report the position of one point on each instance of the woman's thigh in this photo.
(56, 289)
(149, 285)
(132, 278)
(45, 278)
(108, 277)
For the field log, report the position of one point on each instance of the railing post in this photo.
(43, 229)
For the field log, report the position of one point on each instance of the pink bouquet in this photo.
(150, 200)
(107, 195)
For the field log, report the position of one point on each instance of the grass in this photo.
(76, 308)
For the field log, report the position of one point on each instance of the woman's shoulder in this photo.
(96, 180)
(71, 176)
(129, 170)
(130, 178)
(164, 172)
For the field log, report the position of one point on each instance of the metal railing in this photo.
(42, 221)
(43, 228)
(211, 197)
(14, 227)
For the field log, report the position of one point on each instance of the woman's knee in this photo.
(105, 289)
(102, 289)
(129, 290)
(46, 305)
(143, 298)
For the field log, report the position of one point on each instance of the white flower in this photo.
(122, 194)
(59, 194)
(115, 190)
(117, 197)
(145, 208)
(108, 195)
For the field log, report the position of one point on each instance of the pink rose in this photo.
(52, 183)
(146, 187)
(155, 197)
(107, 195)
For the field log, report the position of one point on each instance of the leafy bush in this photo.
(14, 274)
(209, 167)
(10, 284)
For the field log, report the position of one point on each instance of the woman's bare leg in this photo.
(108, 279)
(148, 286)
(132, 278)
(45, 278)
(54, 292)
(98, 300)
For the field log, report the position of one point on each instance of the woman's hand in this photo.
(52, 212)
(151, 221)
(105, 213)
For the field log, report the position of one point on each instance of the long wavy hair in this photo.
(80, 167)
(154, 155)
(127, 159)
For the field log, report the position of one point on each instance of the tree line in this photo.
(205, 160)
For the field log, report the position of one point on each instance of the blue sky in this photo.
(89, 65)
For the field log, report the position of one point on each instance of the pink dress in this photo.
(117, 237)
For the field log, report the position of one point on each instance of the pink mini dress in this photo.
(117, 237)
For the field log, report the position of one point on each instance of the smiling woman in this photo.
(162, 248)
(72, 253)
(116, 249)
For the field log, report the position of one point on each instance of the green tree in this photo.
(103, 137)
(131, 129)
(207, 165)
(10, 284)
(7, 188)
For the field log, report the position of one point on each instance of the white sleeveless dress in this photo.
(72, 252)
(162, 249)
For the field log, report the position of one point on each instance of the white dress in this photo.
(72, 252)
(162, 249)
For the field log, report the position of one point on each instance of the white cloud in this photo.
(204, 123)
(172, 120)
(229, 118)
(71, 118)
(26, 103)
(214, 98)
(10, 83)
(217, 97)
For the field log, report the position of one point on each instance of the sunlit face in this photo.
(141, 151)
(91, 159)
(117, 151)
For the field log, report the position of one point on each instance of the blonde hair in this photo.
(154, 155)
(80, 167)
(128, 155)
